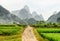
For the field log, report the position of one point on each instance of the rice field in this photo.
(52, 34)
(11, 32)
(48, 30)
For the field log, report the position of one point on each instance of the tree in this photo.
(55, 25)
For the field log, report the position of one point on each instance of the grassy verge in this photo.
(39, 38)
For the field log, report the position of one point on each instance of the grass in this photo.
(52, 36)
(39, 38)
(11, 33)
(48, 30)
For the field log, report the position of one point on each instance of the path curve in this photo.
(28, 34)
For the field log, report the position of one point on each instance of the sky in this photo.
(44, 7)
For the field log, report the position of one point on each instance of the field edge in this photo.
(38, 37)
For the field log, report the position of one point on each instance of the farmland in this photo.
(52, 34)
(11, 32)
(48, 30)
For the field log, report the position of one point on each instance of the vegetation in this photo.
(48, 30)
(39, 38)
(43, 24)
(51, 36)
(11, 32)
(46, 24)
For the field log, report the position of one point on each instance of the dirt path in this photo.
(28, 35)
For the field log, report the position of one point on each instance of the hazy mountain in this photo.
(17, 19)
(6, 17)
(54, 18)
(3, 11)
(24, 13)
(34, 14)
(37, 17)
(34, 18)
(31, 21)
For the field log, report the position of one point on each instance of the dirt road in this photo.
(28, 34)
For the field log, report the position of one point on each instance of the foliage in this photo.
(46, 25)
(51, 36)
(11, 32)
(48, 30)
(10, 29)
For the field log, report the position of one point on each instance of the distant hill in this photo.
(54, 18)
(31, 21)
(4, 15)
(7, 17)
(37, 17)
(25, 15)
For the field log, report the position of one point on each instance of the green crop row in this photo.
(11, 33)
(51, 36)
(48, 30)
(11, 29)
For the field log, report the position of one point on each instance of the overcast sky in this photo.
(44, 7)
